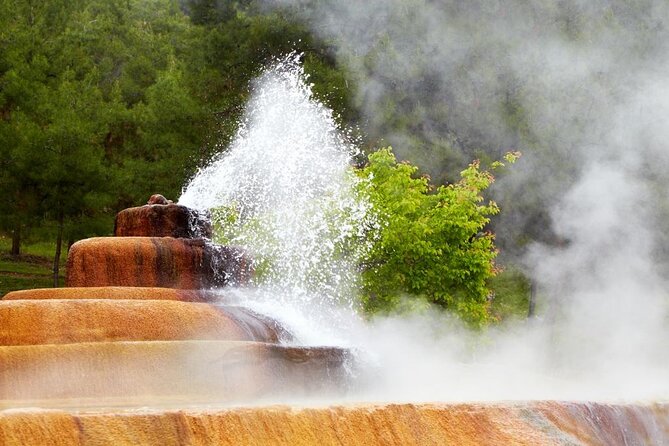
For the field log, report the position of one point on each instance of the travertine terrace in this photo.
(137, 351)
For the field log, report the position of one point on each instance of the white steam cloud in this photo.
(448, 81)
(582, 88)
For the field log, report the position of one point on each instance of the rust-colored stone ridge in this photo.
(155, 262)
(114, 292)
(30, 322)
(363, 425)
(162, 220)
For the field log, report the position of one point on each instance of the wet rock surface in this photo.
(138, 324)
(162, 220)
(35, 322)
(198, 371)
(522, 423)
(155, 262)
(116, 292)
(137, 328)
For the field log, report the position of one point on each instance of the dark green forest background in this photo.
(105, 102)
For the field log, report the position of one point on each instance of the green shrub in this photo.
(431, 244)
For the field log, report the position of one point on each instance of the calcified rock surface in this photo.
(143, 373)
(145, 293)
(395, 424)
(69, 321)
(134, 352)
(162, 220)
(154, 262)
(136, 329)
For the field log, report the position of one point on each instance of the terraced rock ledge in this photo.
(531, 424)
(138, 351)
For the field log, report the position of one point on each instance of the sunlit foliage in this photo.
(432, 244)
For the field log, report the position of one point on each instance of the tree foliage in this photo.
(76, 81)
(105, 102)
(432, 244)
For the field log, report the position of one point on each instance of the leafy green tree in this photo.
(169, 133)
(431, 245)
(104, 102)
(237, 40)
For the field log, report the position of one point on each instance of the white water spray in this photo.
(284, 190)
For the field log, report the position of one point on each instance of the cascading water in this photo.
(284, 190)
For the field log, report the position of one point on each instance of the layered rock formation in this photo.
(137, 324)
(531, 424)
(155, 262)
(157, 245)
(138, 351)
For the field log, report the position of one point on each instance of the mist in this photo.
(446, 82)
(582, 89)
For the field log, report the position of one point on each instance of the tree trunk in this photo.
(56, 258)
(16, 241)
(533, 299)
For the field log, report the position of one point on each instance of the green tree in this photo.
(237, 40)
(431, 245)
(27, 72)
(104, 102)
(68, 163)
(91, 93)
(169, 134)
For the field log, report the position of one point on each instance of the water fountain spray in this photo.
(285, 191)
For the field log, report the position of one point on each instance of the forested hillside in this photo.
(105, 102)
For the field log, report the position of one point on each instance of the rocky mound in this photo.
(162, 220)
(155, 262)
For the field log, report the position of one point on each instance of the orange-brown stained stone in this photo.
(30, 322)
(40, 428)
(194, 371)
(606, 424)
(115, 292)
(364, 425)
(154, 262)
(171, 220)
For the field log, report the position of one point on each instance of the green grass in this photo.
(512, 295)
(45, 249)
(9, 283)
(31, 269)
(22, 266)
